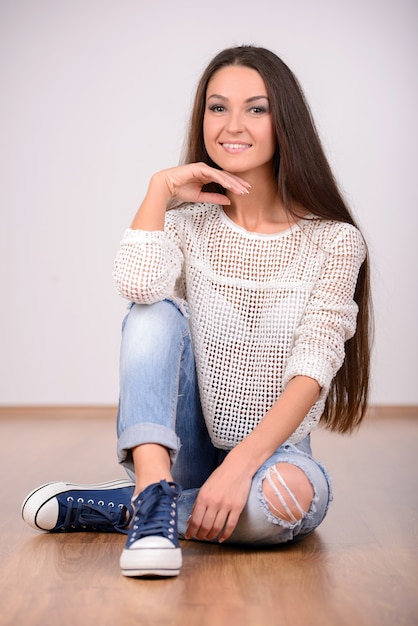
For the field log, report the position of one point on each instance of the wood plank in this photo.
(59, 412)
(110, 411)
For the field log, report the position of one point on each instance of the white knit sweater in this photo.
(263, 308)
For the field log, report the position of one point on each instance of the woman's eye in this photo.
(217, 108)
(258, 110)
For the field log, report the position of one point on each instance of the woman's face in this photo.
(237, 125)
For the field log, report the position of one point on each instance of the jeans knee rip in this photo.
(277, 520)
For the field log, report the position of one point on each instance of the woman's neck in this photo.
(261, 211)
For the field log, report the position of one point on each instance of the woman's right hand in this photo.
(185, 183)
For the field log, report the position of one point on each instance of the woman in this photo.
(241, 334)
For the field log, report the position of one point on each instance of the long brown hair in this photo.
(304, 178)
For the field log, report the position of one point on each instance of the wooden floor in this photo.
(359, 569)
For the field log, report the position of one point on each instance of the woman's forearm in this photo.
(151, 213)
(278, 424)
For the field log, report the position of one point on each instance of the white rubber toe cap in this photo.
(47, 516)
(152, 543)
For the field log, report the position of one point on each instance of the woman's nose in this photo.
(235, 123)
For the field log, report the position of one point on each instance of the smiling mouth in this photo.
(235, 147)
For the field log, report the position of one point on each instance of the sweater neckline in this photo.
(252, 235)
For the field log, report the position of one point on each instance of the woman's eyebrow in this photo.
(219, 97)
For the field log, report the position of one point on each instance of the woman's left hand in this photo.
(220, 502)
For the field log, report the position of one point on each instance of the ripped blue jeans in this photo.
(159, 403)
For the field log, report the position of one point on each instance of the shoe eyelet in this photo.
(100, 503)
(111, 504)
(90, 501)
(80, 500)
(70, 499)
(120, 506)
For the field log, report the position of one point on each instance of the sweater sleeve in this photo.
(149, 264)
(329, 319)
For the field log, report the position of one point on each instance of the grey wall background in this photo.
(95, 95)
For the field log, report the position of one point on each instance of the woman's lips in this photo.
(234, 148)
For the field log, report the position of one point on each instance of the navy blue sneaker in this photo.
(66, 507)
(152, 547)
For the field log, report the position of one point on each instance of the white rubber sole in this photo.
(39, 497)
(151, 562)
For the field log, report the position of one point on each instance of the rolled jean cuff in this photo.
(146, 433)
